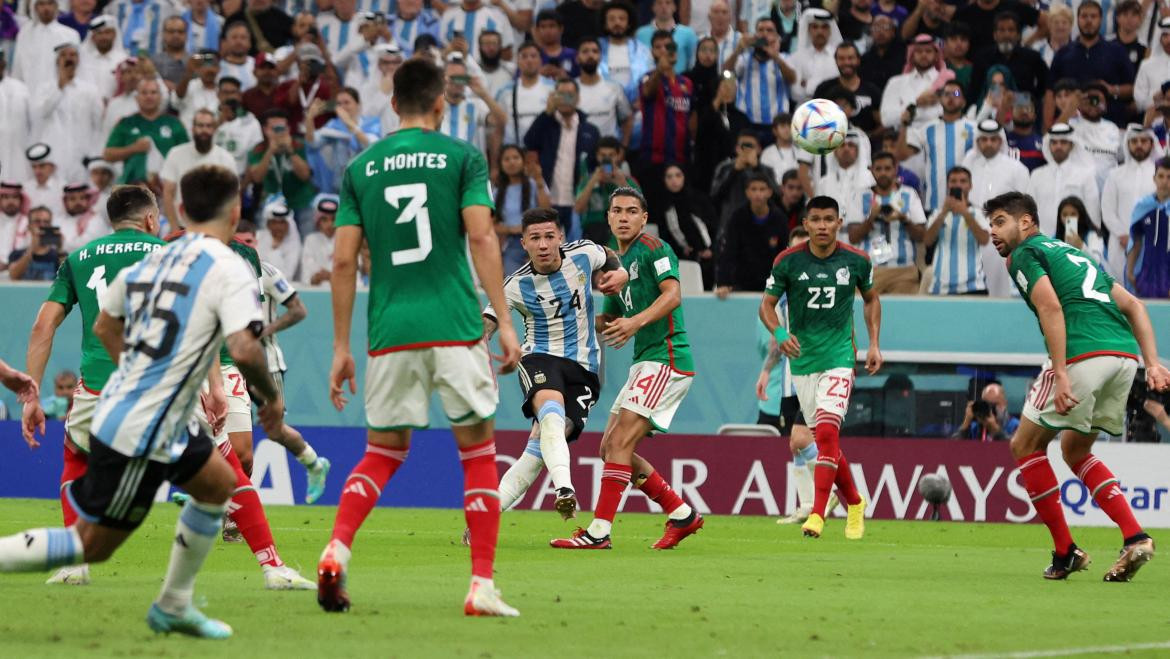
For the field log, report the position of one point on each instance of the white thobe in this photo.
(70, 122)
(34, 57)
(1123, 187)
(1051, 183)
(16, 130)
(316, 255)
(1101, 140)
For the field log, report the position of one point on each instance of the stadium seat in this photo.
(748, 429)
(690, 276)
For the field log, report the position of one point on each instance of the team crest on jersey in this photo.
(539, 378)
(842, 276)
(165, 132)
(633, 271)
(581, 279)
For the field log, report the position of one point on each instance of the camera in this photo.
(956, 193)
(885, 210)
(51, 237)
(982, 408)
(607, 166)
(315, 68)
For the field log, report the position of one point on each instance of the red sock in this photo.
(363, 488)
(828, 450)
(1101, 482)
(614, 479)
(660, 492)
(845, 485)
(247, 512)
(1040, 481)
(75, 466)
(481, 504)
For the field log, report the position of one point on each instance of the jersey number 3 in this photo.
(415, 211)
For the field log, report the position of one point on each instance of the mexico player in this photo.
(649, 310)
(422, 201)
(1093, 329)
(821, 278)
(558, 372)
(162, 320)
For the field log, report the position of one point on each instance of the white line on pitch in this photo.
(1064, 652)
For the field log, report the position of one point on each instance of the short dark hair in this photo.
(1016, 204)
(844, 45)
(1007, 15)
(610, 142)
(207, 191)
(627, 191)
(884, 155)
(417, 84)
(539, 216)
(1127, 7)
(490, 33)
(587, 39)
(1090, 3)
(781, 118)
(659, 35)
(955, 83)
(789, 175)
(229, 80)
(548, 15)
(274, 113)
(128, 203)
(797, 232)
(352, 92)
(959, 169)
(527, 45)
(758, 177)
(748, 132)
(246, 226)
(1162, 163)
(823, 202)
(566, 80)
(957, 29)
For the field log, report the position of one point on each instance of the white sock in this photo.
(340, 552)
(36, 550)
(682, 512)
(599, 528)
(307, 456)
(195, 535)
(521, 475)
(804, 485)
(483, 583)
(553, 446)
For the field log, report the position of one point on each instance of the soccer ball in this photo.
(818, 126)
(935, 488)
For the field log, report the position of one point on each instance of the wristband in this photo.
(781, 334)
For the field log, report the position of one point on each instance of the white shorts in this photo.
(824, 394)
(653, 391)
(1101, 384)
(399, 386)
(80, 417)
(239, 416)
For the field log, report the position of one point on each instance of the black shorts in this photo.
(579, 387)
(117, 491)
(790, 415)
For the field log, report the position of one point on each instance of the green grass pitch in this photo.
(743, 587)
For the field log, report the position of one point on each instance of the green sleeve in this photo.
(864, 275)
(120, 136)
(180, 131)
(348, 210)
(776, 284)
(610, 306)
(254, 156)
(1027, 266)
(663, 262)
(62, 290)
(477, 191)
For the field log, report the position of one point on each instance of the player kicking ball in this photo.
(1093, 329)
(553, 292)
(821, 278)
(649, 310)
(162, 320)
(422, 201)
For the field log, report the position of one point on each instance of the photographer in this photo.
(296, 95)
(987, 419)
(278, 167)
(892, 229)
(39, 262)
(959, 230)
(592, 201)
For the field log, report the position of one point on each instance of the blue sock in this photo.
(533, 448)
(550, 407)
(806, 455)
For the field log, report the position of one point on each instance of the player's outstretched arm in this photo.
(248, 355)
(295, 312)
(611, 277)
(1051, 317)
(347, 243)
(485, 254)
(872, 308)
(108, 330)
(18, 383)
(1143, 330)
(40, 346)
(620, 330)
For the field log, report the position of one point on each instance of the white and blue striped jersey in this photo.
(762, 92)
(943, 145)
(407, 31)
(178, 304)
(904, 199)
(336, 33)
(726, 46)
(466, 121)
(558, 307)
(472, 23)
(958, 265)
(277, 291)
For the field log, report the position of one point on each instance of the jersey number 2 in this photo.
(415, 211)
(1090, 279)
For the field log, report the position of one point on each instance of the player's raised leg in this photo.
(73, 468)
(804, 460)
(523, 472)
(550, 418)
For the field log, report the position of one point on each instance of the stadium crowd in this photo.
(950, 103)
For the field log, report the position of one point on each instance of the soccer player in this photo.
(1093, 329)
(649, 310)
(19, 383)
(80, 281)
(558, 372)
(162, 321)
(821, 278)
(422, 201)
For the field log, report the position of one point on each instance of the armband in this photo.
(781, 334)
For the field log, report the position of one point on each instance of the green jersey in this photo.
(165, 131)
(407, 193)
(649, 262)
(1093, 323)
(820, 303)
(81, 281)
(253, 258)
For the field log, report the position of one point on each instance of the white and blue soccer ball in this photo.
(819, 126)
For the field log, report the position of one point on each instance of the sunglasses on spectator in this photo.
(956, 93)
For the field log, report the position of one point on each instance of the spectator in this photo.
(603, 101)
(497, 74)
(956, 49)
(1027, 66)
(894, 225)
(958, 233)
(140, 24)
(1128, 14)
(296, 95)
(262, 97)
(171, 61)
(141, 141)
(918, 86)
(9, 27)
(1075, 227)
(721, 30)
(685, 40)
(592, 202)
(238, 130)
(14, 232)
(782, 155)
(1024, 136)
(844, 174)
(562, 141)
(586, 18)
(1099, 137)
(868, 96)
(785, 15)
(888, 139)
(67, 110)
(414, 20)
(685, 222)
(706, 73)
(338, 142)
(16, 127)
(814, 61)
(278, 167)
(44, 188)
(101, 182)
(80, 223)
(476, 16)
(204, 26)
(317, 251)
(379, 90)
(892, 10)
(668, 113)
(720, 123)
(1090, 58)
(556, 60)
(34, 55)
(750, 240)
(1148, 263)
(101, 53)
(729, 184)
(519, 186)
(758, 98)
(184, 157)
(1000, 89)
(792, 198)
(338, 26)
(1060, 21)
(992, 169)
(930, 17)
(1153, 71)
(80, 13)
(271, 28)
(40, 260)
(279, 243)
(356, 61)
(124, 102)
(1069, 172)
(235, 61)
(468, 119)
(981, 16)
(854, 19)
(202, 92)
(527, 97)
(57, 405)
(886, 57)
(987, 419)
(624, 60)
(942, 141)
(1123, 187)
